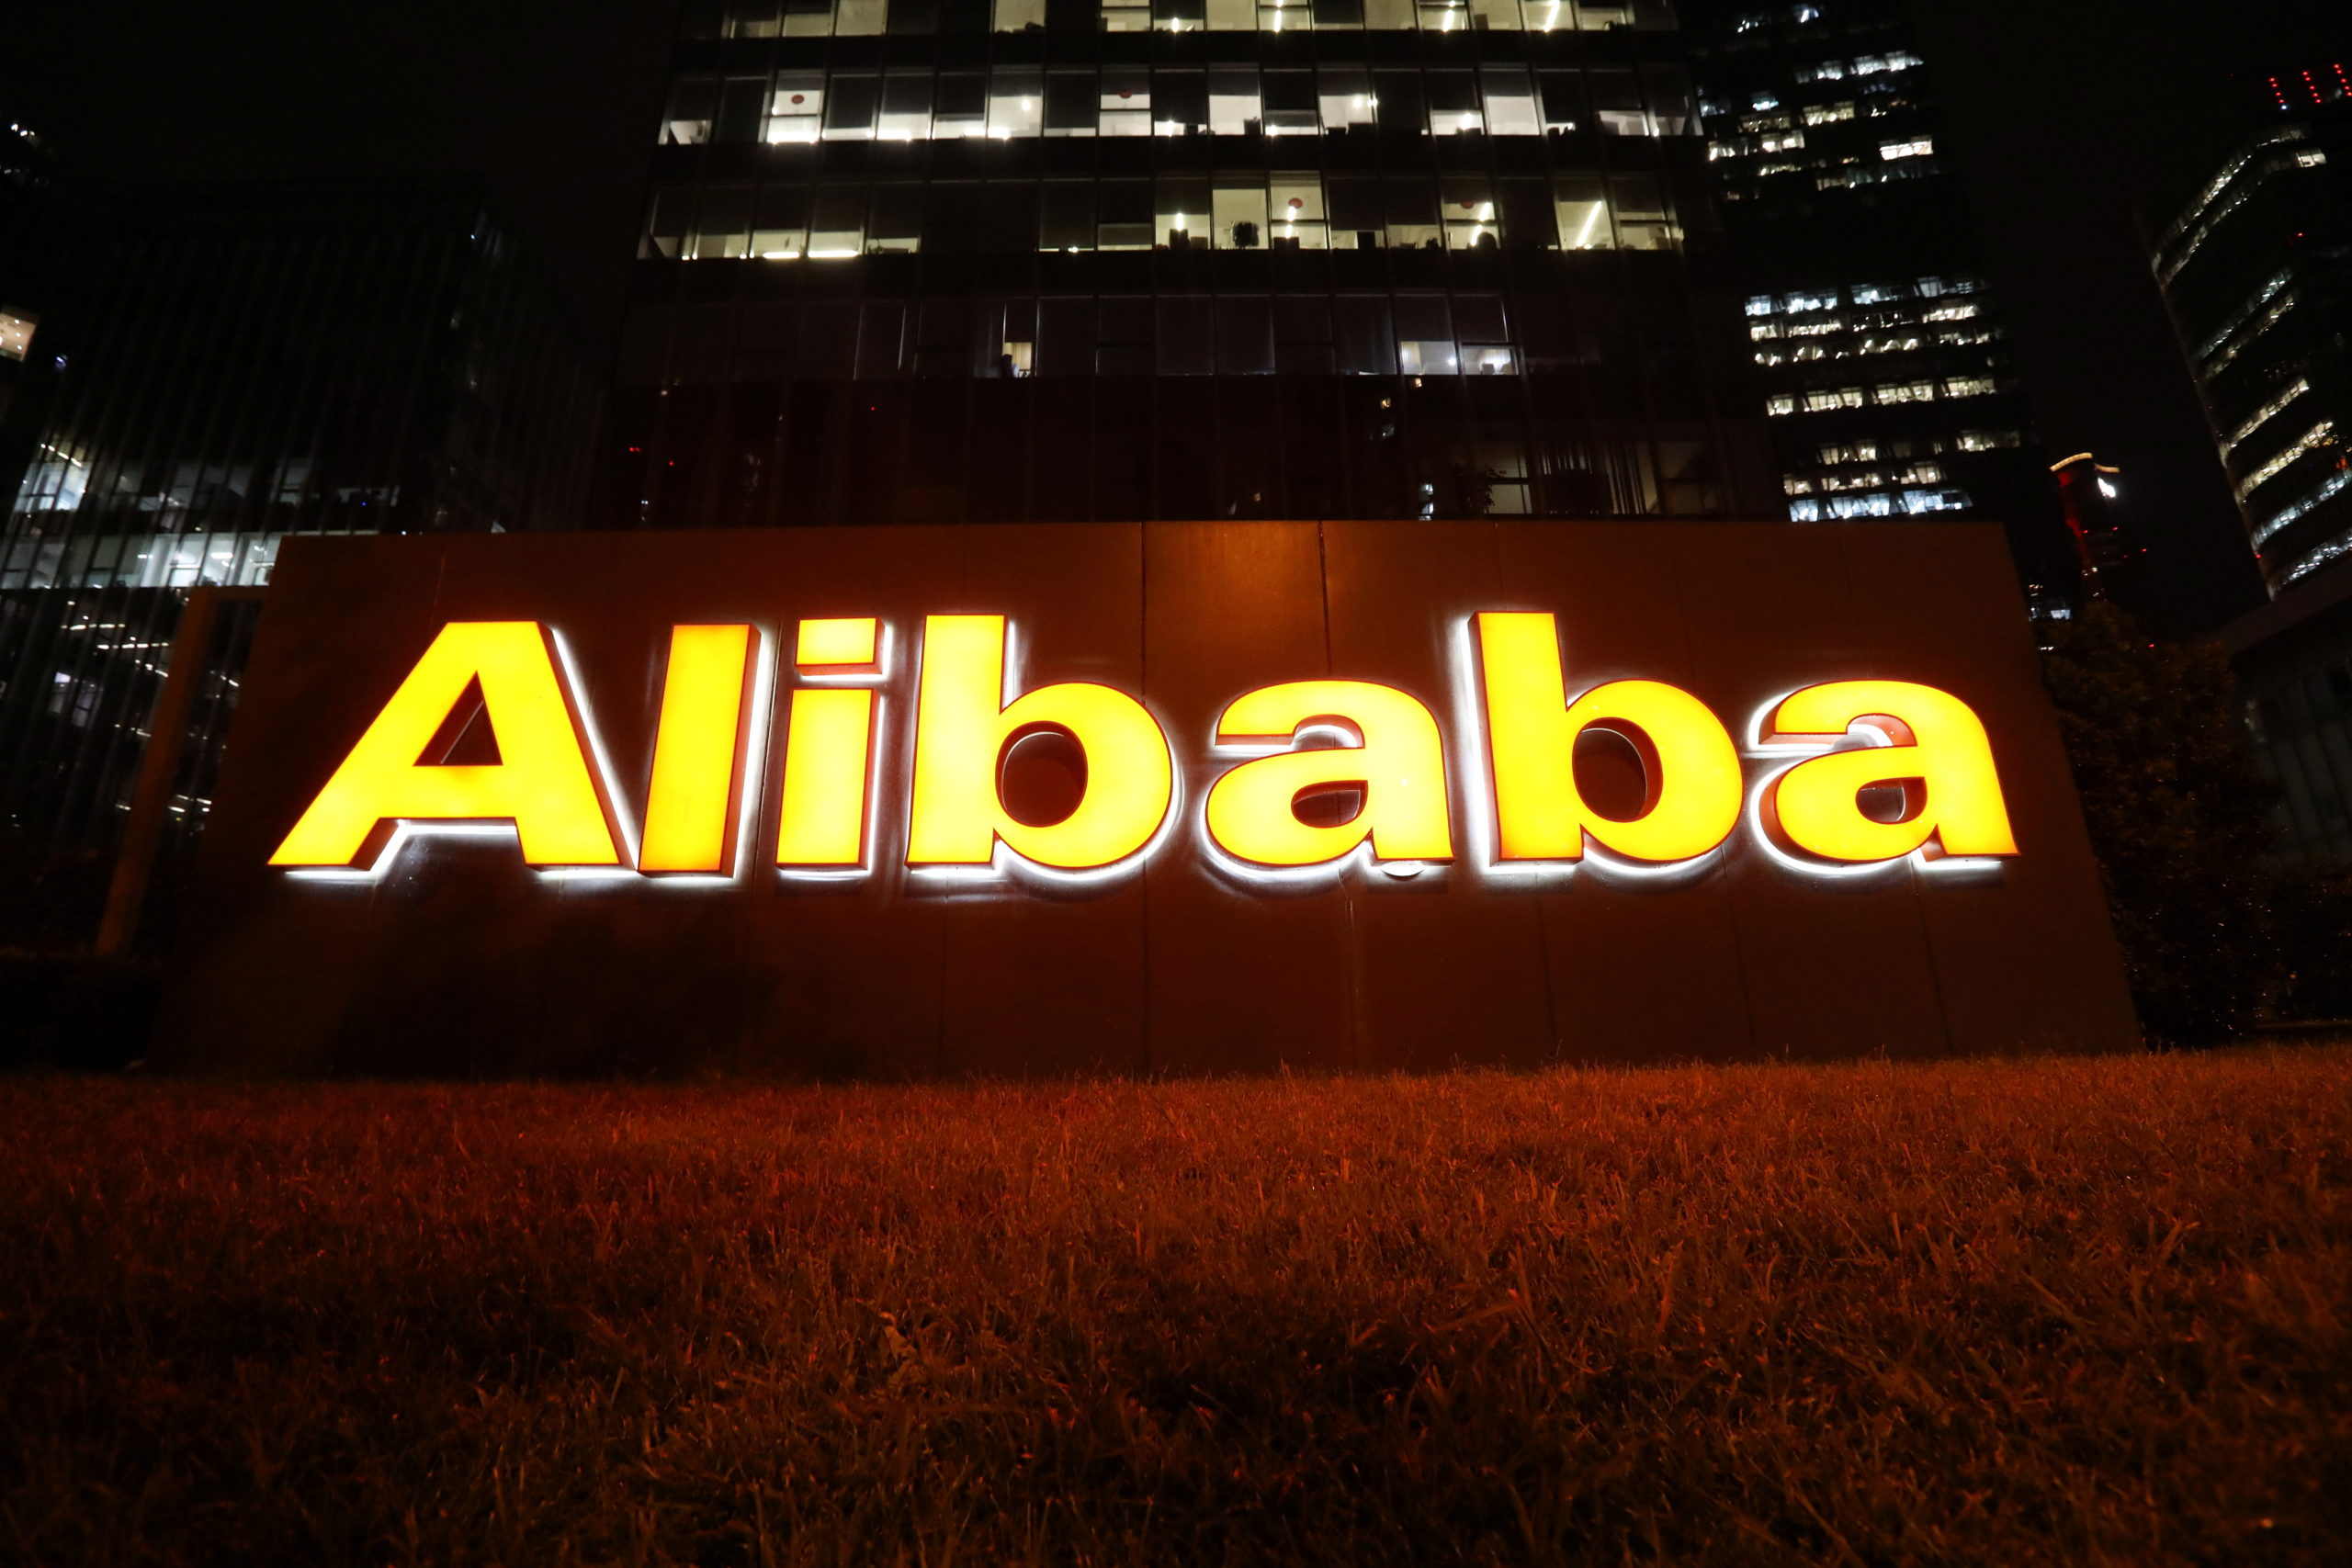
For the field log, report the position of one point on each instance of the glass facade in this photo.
(232, 368)
(2293, 662)
(1883, 359)
(26, 178)
(1054, 261)
(2257, 269)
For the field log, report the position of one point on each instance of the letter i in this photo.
(828, 749)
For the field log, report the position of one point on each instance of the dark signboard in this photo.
(1153, 797)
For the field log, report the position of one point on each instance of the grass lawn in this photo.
(2075, 1310)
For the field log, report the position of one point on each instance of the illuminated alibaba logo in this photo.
(1881, 770)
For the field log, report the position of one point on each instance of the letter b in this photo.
(1693, 795)
(962, 725)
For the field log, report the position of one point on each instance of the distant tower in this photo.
(2257, 272)
(2090, 495)
(228, 366)
(1881, 354)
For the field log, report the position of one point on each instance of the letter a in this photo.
(1927, 738)
(1398, 763)
(962, 726)
(542, 782)
(1693, 795)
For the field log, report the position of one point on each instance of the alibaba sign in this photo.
(1838, 775)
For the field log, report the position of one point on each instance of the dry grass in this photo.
(2075, 1310)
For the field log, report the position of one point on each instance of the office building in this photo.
(27, 178)
(2257, 271)
(1882, 358)
(949, 260)
(2256, 268)
(233, 367)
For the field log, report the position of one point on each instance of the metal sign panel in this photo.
(1142, 797)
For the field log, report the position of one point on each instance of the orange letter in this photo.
(1398, 763)
(697, 769)
(961, 732)
(1934, 746)
(1692, 802)
(542, 781)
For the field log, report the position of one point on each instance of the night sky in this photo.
(2069, 120)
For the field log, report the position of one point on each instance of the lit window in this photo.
(2310, 160)
(1969, 387)
(1804, 511)
(2317, 435)
(1908, 392)
(1918, 147)
(2266, 414)
(16, 335)
(1427, 357)
(1827, 114)
(1779, 403)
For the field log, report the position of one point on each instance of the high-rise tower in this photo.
(2257, 270)
(228, 366)
(920, 260)
(1881, 356)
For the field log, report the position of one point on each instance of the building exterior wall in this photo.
(239, 367)
(1069, 262)
(2293, 660)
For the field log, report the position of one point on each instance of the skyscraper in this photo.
(2257, 270)
(1881, 354)
(27, 176)
(911, 260)
(234, 366)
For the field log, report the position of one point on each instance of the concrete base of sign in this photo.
(453, 957)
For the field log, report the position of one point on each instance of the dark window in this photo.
(1187, 335)
(1244, 337)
